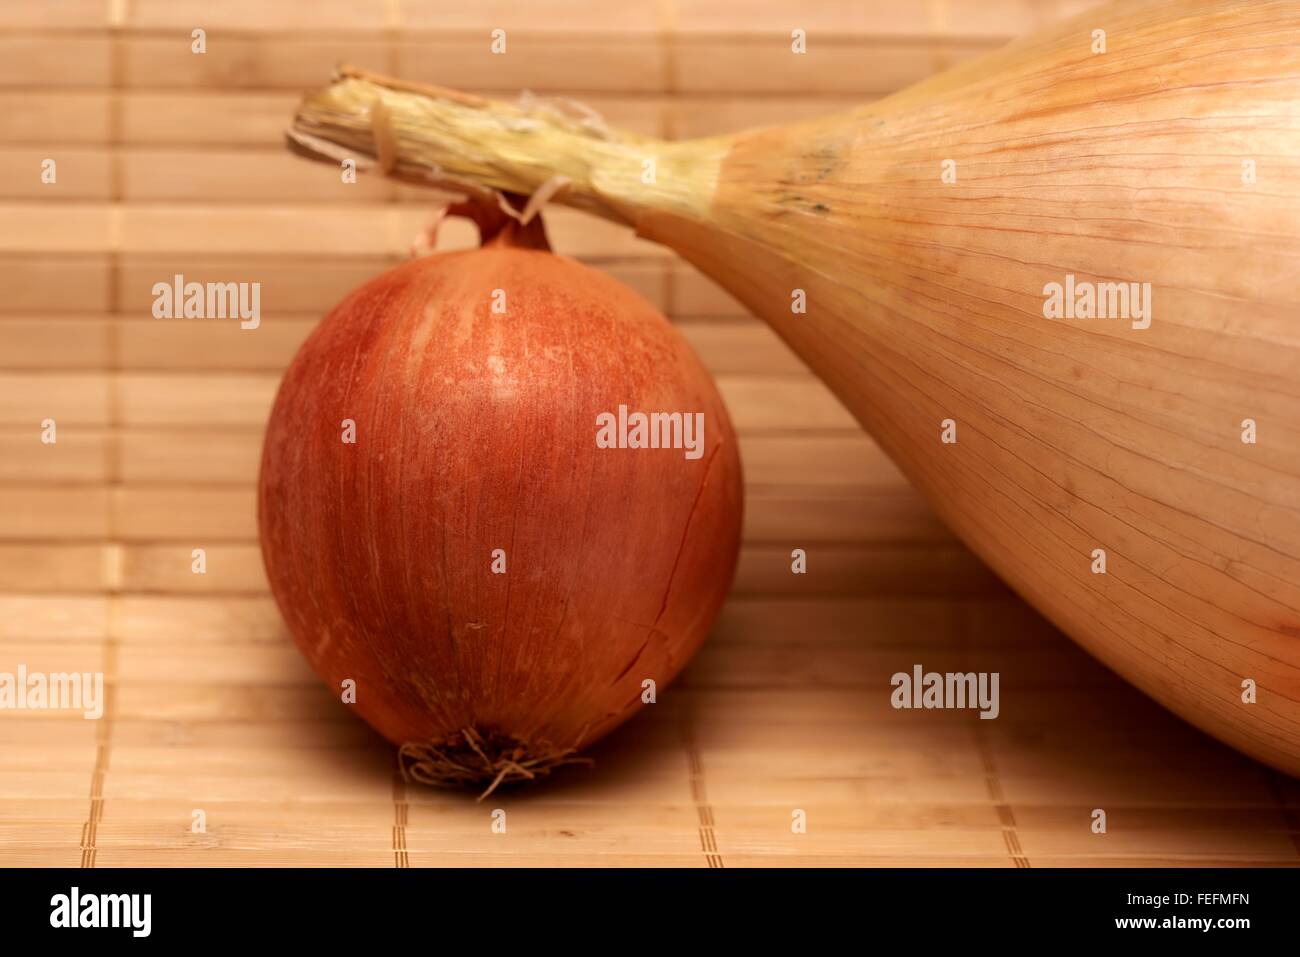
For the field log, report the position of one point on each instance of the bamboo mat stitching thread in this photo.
(113, 554)
(401, 817)
(992, 782)
(703, 810)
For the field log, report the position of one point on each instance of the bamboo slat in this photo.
(171, 162)
(725, 347)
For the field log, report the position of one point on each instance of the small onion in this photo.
(440, 527)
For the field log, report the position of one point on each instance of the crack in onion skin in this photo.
(476, 431)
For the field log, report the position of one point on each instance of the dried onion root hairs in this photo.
(468, 759)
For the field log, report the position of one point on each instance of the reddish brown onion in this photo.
(476, 431)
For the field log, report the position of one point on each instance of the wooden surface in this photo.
(171, 162)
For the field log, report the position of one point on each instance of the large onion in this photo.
(476, 430)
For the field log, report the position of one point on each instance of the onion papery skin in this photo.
(476, 431)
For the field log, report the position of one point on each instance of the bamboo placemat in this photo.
(172, 162)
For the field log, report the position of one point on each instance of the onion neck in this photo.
(477, 146)
(500, 224)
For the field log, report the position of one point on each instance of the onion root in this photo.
(471, 759)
